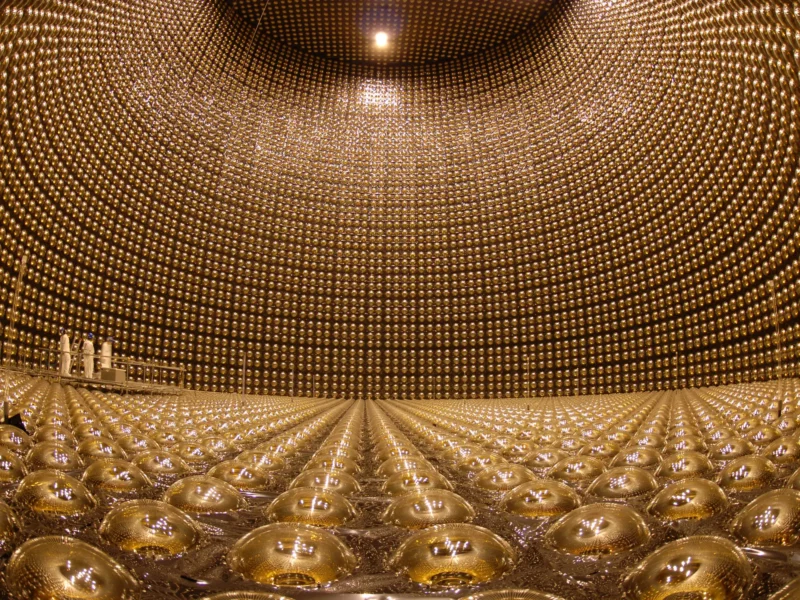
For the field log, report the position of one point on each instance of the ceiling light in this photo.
(381, 39)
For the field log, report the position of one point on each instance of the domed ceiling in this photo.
(580, 197)
(419, 31)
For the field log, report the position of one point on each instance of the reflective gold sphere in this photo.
(682, 465)
(244, 595)
(694, 567)
(285, 554)
(14, 439)
(598, 529)
(644, 458)
(334, 463)
(133, 444)
(150, 528)
(203, 495)
(720, 434)
(783, 452)
(454, 555)
(397, 451)
(261, 460)
(312, 506)
(502, 477)
(277, 448)
(772, 519)
(620, 483)
(54, 493)
(540, 499)
(241, 476)
(692, 499)
(746, 474)
(517, 451)
(160, 462)
(426, 508)
(414, 481)
(338, 450)
(472, 465)
(53, 455)
(194, 453)
(87, 430)
(687, 442)
(649, 440)
(460, 452)
(398, 465)
(603, 450)
(67, 569)
(115, 475)
(54, 433)
(543, 458)
(730, 449)
(335, 481)
(100, 447)
(512, 595)
(11, 466)
(576, 469)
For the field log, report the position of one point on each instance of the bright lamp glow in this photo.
(381, 39)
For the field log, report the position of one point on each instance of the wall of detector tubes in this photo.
(612, 195)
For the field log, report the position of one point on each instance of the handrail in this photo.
(49, 359)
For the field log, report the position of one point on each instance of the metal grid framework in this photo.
(611, 196)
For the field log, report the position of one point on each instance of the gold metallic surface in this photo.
(576, 469)
(53, 455)
(683, 465)
(311, 506)
(160, 462)
(203, 495)
(417, 480)
(598, 529)
(620, 483)
(338, 481)
(540, 499)
(245, 596)
(240, 475)
(692, 499)
(67, 569)
(422, 509)
(12, 468)
(503, 477)
(116, 476)
(772, 519)
(747, 474)
(512, 595)
(291, 555)
(450, 556)
(54, 494)
(150, 528)
(695, 567)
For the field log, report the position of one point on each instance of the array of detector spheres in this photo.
(610, 197)
(659, 495)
